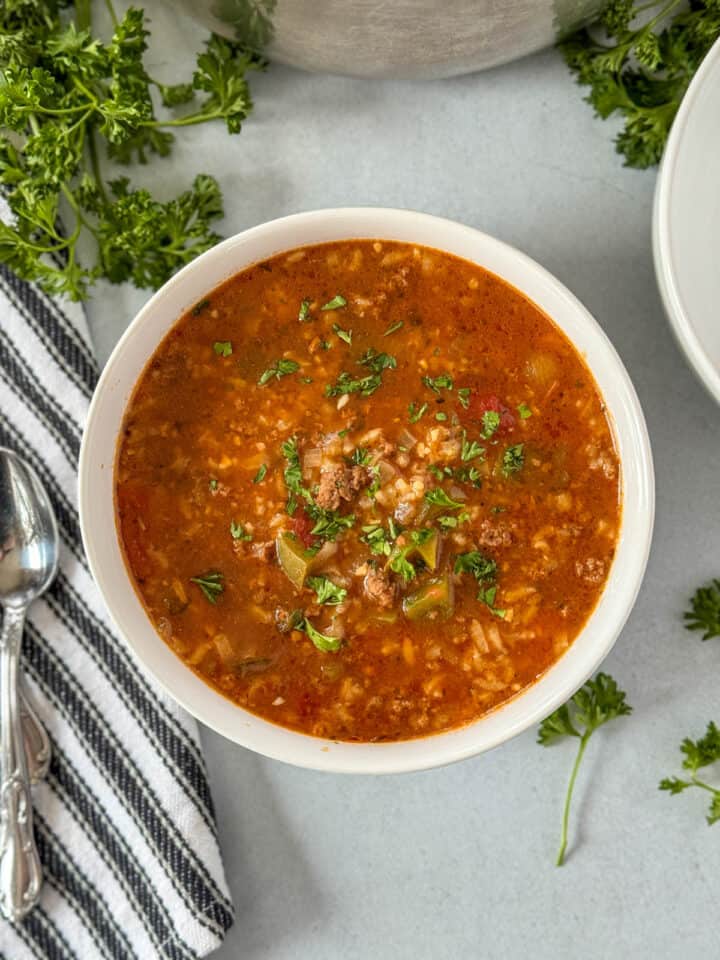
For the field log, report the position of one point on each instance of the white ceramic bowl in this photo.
(98, 518)
(686, 223)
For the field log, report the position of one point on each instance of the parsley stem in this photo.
(111, 11)
(568, 799)
(95, 163)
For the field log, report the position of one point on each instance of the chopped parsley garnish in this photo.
(437, 471)
(498, 509)
(305, 379)
(468, 475)
(238, 532)
(449, 523)
(375, 485)
(293, 475)
(379, 541)
(260, 475)
(464, 397)
(325, 345)
(438, 498)
(377, 362)
(484, 569)
(365, 386)
(328, 523)
(281, 368)
(345, 335)
(491, 421)
(481, 567)
(524, 411)
(199, 307)
(393, 327)
(223, 348)
(213, 484)
(328, 593)
(595, 703)
(361, 456)
(513, 459)
(210, 584)
(337, 301)
(415, 412)
(304, 312)
(441, 416)
(470, 451)
(436, 384)
(704, 612)
(322, 641)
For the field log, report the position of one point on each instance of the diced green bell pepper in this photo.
(435, 595)
(295, 561)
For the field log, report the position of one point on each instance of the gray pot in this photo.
(395, 38)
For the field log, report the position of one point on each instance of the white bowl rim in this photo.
(529, 707)
(665, 272)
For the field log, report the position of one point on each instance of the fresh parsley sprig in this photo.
(642, 67)
(598, 701)
(698, 754)
(704, 612)
(67, 100)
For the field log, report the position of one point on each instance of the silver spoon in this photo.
(28, 562)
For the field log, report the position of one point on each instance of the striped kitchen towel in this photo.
(124, 821)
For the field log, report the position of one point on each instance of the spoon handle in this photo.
(20, 871)
(37, 742)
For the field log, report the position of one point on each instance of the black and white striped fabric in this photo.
(124, 820)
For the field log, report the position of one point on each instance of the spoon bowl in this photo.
(28, 533)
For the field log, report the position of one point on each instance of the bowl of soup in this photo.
(367, 490)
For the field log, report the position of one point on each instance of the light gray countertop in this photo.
(458, 862)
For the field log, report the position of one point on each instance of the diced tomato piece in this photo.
(302, 526)
(480, 403)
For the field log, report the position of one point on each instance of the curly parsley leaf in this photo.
(223, 348)
(327, 592)
(704, 612)
(238, 532)
(513, 459)
(698, 754)
(281, 368)
(436, 384)
(598, 701)
(639, 65)
(68, 101)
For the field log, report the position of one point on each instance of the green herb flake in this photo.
(328, 593)
(513, 459)
(304, 312)
(595, 703)
(223, 348)
(438, 498)
(336, 303)
(441, 416)
(345, 335)
(260, 475)
(524, 411)
(213, 484)
(393, 328)
(463, 395)
(238, 532)
(704, 612)
(491, 421)
(281, 368)
(471, 450)
(415, 413)
(210, 584)
(361, 456)
(436, 384)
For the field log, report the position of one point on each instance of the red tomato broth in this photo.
(199, 427)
